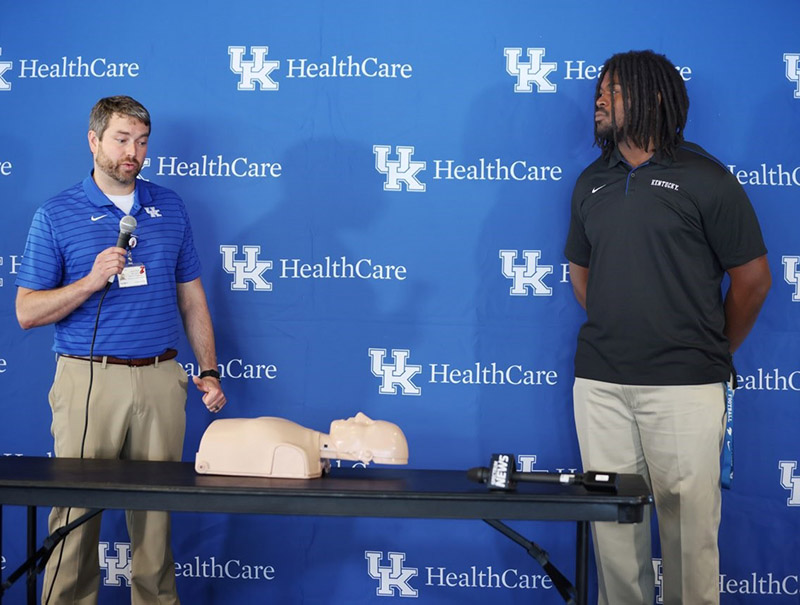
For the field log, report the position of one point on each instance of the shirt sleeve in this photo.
(42, 263)
(578, 250)
(188, 266)
(731, 225)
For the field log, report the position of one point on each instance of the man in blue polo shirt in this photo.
(656, 224)
(136, 407)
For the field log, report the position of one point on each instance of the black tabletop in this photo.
(370, 492)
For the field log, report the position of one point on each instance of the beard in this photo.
(607, 132)
(115, 170)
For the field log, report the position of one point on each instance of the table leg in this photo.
(582, 563)
(1, 545)
(31, 579)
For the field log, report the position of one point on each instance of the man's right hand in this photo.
(107, 264)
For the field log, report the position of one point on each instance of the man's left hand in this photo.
(214, 399)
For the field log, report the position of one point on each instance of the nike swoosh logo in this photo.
(596, 189)
(97, 218)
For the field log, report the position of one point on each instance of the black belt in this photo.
(137, 362)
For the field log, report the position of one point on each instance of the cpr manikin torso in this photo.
(276, 447)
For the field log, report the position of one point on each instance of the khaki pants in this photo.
(671, 435)
(134, 414)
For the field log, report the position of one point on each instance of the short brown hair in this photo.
(105, 108)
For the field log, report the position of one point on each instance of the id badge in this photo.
(132, 275)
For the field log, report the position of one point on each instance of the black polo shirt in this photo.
(657, 240)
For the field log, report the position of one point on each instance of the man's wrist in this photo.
(211, 373)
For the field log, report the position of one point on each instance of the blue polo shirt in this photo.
(66, 235)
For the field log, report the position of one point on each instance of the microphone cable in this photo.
(83, 439)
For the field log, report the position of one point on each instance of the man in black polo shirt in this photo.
(656, 223)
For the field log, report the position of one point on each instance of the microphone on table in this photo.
(503, 475)
(126, 226)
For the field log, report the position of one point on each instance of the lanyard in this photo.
(726, 476)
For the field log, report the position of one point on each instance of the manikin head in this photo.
(361, 438)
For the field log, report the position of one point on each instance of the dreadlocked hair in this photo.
(655, 101)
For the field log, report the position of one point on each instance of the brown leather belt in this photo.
(141, 361)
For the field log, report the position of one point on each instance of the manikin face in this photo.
(360, 437)
(119, 155)
(354, 428)
(605, 108)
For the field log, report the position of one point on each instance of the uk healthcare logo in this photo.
(4, 67)
(117, 568)
(393, 580)
(533, 71)
(791, 274)
(527, 277)
(790, 481)
(145, 164)
(401, 170)
(246, 272)
(792, 61)
(396, 374)
(253, 71)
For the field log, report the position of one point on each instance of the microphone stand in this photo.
(40, 557)
(562, 584)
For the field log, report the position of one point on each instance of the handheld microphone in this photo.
(126, 226)
(503, 476)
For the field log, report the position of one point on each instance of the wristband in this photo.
(212, 373)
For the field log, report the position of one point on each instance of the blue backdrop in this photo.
(379, 194)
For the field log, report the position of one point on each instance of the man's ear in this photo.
(94, 141)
